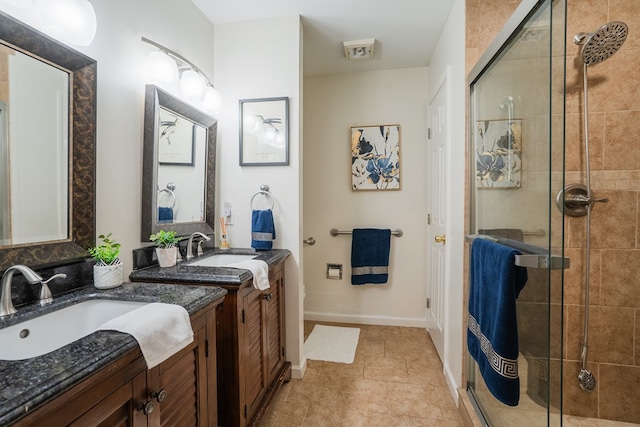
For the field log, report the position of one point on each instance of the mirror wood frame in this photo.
(82, 170)
(155, 98)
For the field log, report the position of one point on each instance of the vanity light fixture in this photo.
(70, 21)
(175, 73)
(359, 49)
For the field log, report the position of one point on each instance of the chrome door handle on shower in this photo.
(310, 241)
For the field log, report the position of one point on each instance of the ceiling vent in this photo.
(359, 49)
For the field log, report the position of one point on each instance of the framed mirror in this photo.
(178, 166)
(47, 149)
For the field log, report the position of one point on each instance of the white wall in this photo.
(334, 103)
(449, 56)
(261, 59)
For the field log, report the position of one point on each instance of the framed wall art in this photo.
(375, 157)
(264, 132)
(176, 139)
(498, 153)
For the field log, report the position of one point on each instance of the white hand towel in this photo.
(160, 329)
(259, 269)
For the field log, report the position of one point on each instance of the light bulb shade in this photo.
(19, 3)
(162, 70)
(72, 21)
(212, 100)
(192, 86)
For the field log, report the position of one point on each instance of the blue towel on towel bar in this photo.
(165, 215)
(492, 334)
(263, 230)
(370, 256)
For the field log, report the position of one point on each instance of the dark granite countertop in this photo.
(223, 276)
(26, 384)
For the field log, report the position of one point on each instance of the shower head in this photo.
(602, 43)
(587, 380)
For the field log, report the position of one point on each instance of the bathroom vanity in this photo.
(250, 332)
(103, 380)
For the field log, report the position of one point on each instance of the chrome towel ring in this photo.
(170, 187)
(266, 195)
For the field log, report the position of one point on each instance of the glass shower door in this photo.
(516, 161)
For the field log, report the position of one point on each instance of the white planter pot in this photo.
(107, 276)
(167, 257)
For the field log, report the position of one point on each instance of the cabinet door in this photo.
(117, 409)
(172, 386)
(274, 325)
(253, 352)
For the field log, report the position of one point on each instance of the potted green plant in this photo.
(166, 248)
(108, 270)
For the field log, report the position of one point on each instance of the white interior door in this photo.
(437, 216)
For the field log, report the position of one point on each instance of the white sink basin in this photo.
(52, 331)
(221, 260)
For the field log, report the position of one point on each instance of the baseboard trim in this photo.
(366, 320)
(451, 383)
(297, 371)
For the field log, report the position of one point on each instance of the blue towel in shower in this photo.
(370, 255)
(165, 215)
(263, 230)
(492, 334)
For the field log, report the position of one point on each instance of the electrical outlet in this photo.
(228, 213)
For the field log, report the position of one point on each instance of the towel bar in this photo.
(334, 232)
(532, 257)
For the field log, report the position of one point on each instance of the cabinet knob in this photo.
(160, 396)
(440, 239)
(267, 296)
(146, 408)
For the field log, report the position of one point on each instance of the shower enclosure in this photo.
(517, 128)
(530, 121)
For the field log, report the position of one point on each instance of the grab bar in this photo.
(532, 257)
(334, 232)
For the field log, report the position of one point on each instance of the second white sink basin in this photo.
(221, 260)
(54, 330)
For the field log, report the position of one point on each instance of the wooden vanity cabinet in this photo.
(251, 350)
(181, 391)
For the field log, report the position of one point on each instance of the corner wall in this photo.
(261, 59)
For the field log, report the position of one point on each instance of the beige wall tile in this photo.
(620, 278)
(620, 392)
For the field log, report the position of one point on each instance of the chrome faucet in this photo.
(198, 235)
(6, 306)
(45, 292)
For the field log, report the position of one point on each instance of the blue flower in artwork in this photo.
(490, 164)
(380, 167)
(364, 146)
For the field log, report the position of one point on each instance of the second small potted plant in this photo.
(107, 272)
(166, 248)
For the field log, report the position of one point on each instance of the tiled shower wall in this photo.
(614, 128)
(614, 131)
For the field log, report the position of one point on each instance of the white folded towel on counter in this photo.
(259, 269)
(160, 329)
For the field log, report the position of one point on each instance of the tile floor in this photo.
(396, 380)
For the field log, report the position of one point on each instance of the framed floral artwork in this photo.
(375, 157)
(498, 153)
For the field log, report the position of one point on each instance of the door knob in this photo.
(441, 239)
(310, 241)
